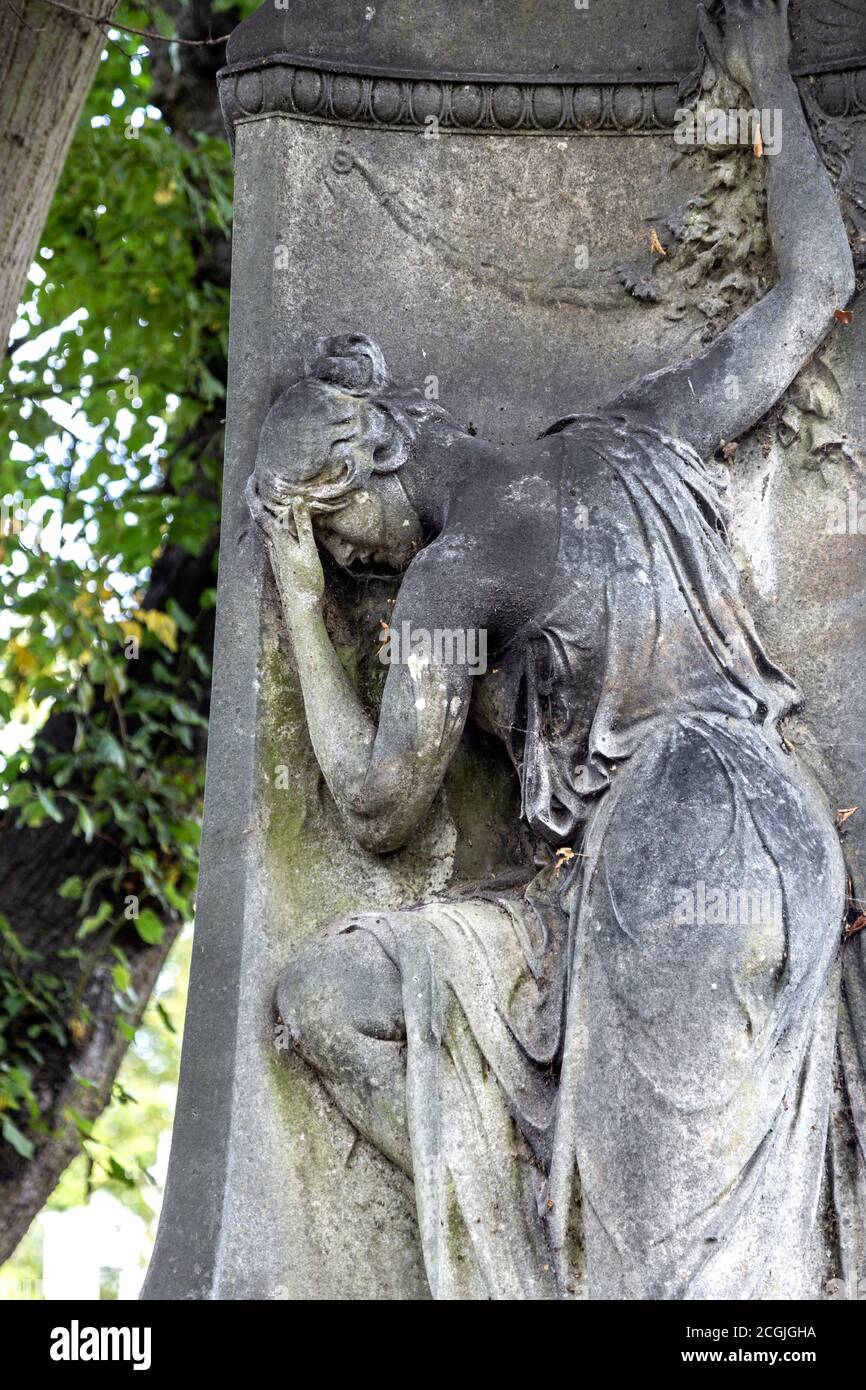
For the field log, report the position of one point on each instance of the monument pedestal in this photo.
(474, 186)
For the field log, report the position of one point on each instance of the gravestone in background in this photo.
(474, 185)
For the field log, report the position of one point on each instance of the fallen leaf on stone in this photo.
(843, 316)
(562, 857)
(655, 244)
(857, 925)
(758, 146)
(845, 813)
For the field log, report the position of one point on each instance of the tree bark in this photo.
(47, 63)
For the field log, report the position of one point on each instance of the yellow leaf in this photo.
(758, 146)
(161, 625)
(23, 658)
(562, 857)
(165, 193)
(130, 628)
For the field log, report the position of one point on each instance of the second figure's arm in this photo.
(722, 392)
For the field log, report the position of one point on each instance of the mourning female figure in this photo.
(613, 1082)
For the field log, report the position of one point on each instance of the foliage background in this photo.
(111, 412)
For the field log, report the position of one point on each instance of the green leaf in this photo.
(92, 923)
(182, 618)
(164, 1015)
(122, 978)
(71, 887)
(12, 1134)
(116, 1171)
(186, 715)
(83, 1125)
(108, 750)
(12, 940)
(85, 822)
(48, 804)
(149, 927)
(178, 901)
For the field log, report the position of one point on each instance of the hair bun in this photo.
(351, 360)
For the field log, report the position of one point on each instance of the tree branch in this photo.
(127, 29)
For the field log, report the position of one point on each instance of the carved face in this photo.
(376, 525)
(316, 441)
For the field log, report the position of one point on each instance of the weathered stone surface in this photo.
(626, 40)
(516, 276)
(430, 305)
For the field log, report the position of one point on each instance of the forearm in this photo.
(762, 351)
(805, 224)
(341, 731)
(383, 779)
(382, 775)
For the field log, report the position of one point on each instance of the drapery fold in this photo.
(604, 1100)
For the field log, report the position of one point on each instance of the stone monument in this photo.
(529, 957)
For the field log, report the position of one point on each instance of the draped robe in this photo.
(613, 1090)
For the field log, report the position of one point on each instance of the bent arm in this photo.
(383, 777)
(722, 392)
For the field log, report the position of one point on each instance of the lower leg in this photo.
(341, 1002)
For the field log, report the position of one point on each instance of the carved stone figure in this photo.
(611, 1080)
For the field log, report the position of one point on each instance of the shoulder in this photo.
(448, 573)
(491, 577)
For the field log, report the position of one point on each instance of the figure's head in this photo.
(336, 440)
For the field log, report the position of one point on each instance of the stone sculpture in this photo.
(613, 1079)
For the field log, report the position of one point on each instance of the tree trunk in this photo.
(47, 63)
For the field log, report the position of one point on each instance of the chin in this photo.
(378, 566)
(399, 563)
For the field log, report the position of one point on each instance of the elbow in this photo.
(378, 836)
(385, 813)
(823, 288)
(849, 282)
(837, 284)
(378, 826)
